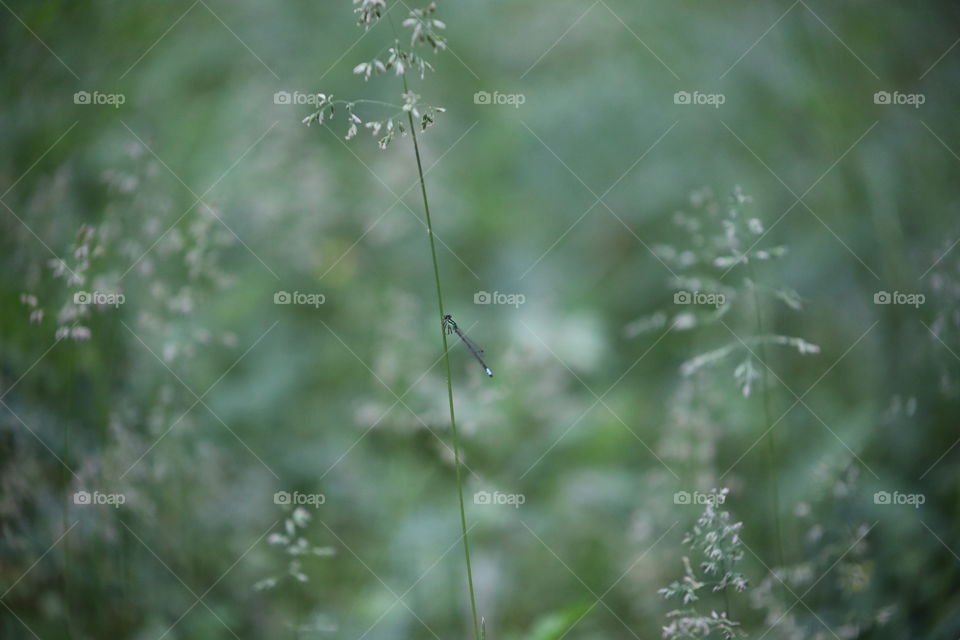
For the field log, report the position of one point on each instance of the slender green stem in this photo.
(446, 354)
(767, 424)
(446, 360)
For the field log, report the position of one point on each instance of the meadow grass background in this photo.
(199, 398)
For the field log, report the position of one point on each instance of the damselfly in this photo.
(451, 327)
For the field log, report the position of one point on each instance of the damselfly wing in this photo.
(451, 327)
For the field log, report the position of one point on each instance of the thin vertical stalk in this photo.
(726, 596)
(446, 361)
(767, 424)
(67, 565)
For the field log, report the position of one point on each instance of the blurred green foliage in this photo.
(199, 398)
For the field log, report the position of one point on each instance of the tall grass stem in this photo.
(446, 361)
(767, 425)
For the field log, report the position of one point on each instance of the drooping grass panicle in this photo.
(716, 549)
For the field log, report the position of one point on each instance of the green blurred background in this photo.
(198, 398)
